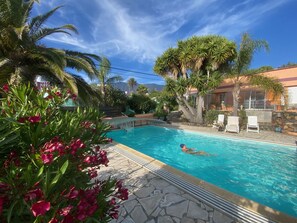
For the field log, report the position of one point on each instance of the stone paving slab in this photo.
(154, 200)
(265, 136)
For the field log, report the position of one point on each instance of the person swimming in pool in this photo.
(192, 151)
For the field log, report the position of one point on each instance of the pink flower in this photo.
(68, 219)
(1, 204)
(49, 97)
(81, 216)
(91, 210)
(74, 97)
(92, 173)
(22, 119)
(114, 215)
(40, 208)
(47, 158)
(73, 193)
(5, 88)
(75, 145)
(34, 119)
(65, 211)
(34, 194)
(122, 194)
(13, 158)
(112, 201)
(58, 93)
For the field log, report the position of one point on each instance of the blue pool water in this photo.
(263, 172)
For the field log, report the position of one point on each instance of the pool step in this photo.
(230, 209)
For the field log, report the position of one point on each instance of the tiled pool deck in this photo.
(157, 199)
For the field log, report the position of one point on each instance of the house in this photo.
(255, 98)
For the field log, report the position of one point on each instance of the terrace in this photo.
(159, 193)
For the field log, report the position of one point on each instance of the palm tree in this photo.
(132, 83)
(197, 62)
(23, 56)
(240, 70)
(103, 76)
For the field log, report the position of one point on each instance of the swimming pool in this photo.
(263, 172)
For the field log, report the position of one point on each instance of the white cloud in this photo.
(142, 30)
(238, 19)
(141, 36)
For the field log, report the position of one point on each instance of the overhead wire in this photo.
(132, 71)
(147, 78)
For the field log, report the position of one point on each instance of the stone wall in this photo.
(287, 121)
(263, 115)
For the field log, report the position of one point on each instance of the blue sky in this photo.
(133, 33)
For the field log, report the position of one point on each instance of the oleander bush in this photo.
(50, 160)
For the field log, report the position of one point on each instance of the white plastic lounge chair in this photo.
(253, 125)
(232, 124)
(219, 122)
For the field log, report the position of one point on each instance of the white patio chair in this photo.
(219, 122)
(232, 124)
(253, 125)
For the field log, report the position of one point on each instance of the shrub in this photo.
(242, 118)
(141, 103)
(211, 116)
(115, 97)
(160, 112)
(49, 160)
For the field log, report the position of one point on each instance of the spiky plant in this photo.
(23, 56)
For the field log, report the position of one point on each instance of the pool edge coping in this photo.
(269, 213)
(233, 136)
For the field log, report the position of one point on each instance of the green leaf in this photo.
(64, 167)
(10, 211)
(40, 171)
(60, 173)
(55, 180)
(9, 139)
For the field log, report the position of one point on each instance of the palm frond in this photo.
(50, 54)
(86, 93)
(80, 64)
(246, 51)
(114, 79)
(36, 22)
(91, 58)
(41, 33)
(267, 83)
(70, 81)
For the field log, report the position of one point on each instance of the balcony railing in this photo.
(258, 104)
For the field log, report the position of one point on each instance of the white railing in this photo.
(258, 104)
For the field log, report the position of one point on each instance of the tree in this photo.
(132, 83)
(115, 97)
(198, 62)
(104, 78)
(289, 64)
(23, 56)
(165, 101)
(240, 70)
(142, 89)
(141, 103)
